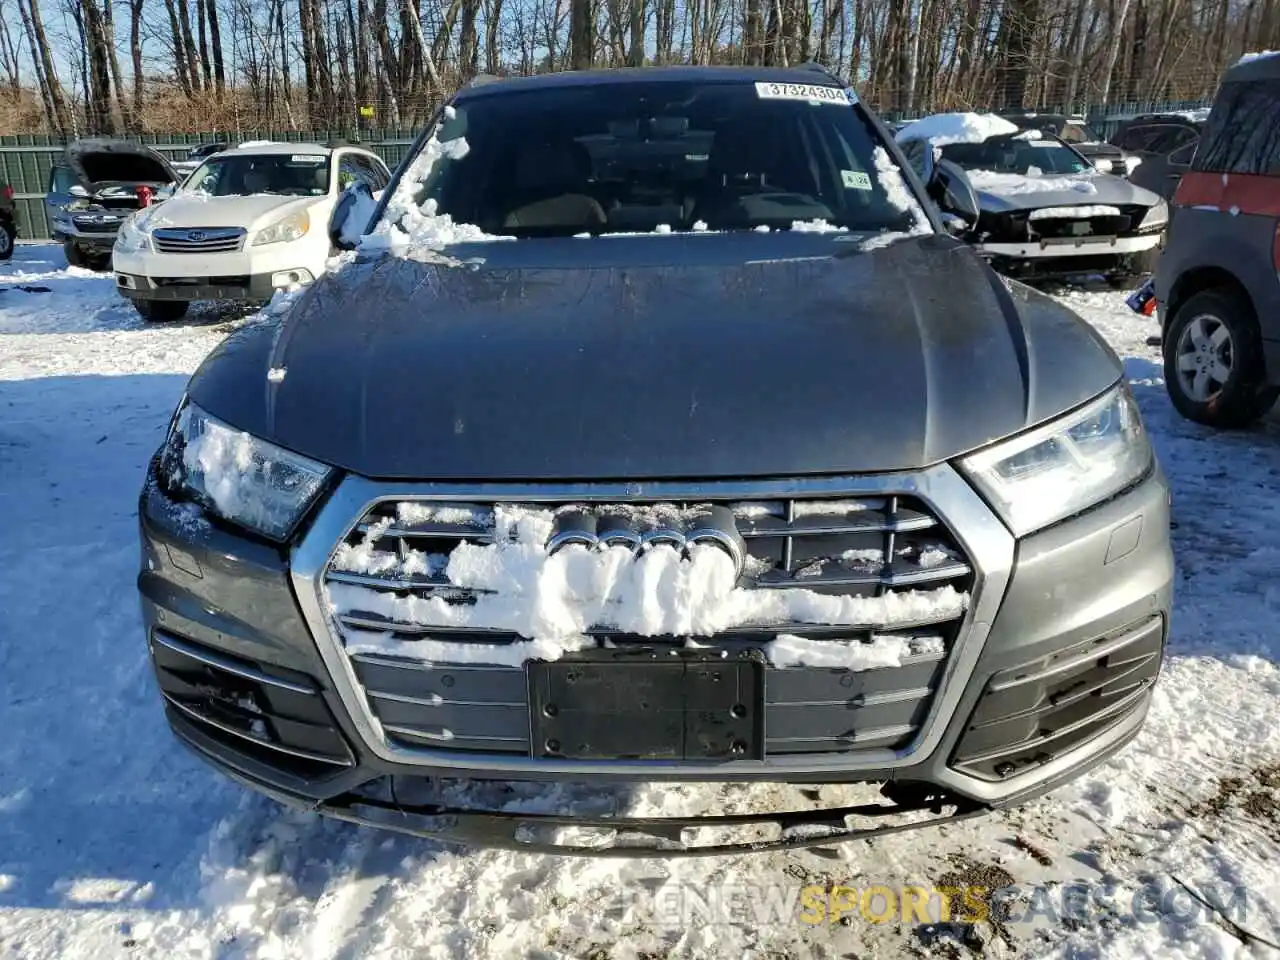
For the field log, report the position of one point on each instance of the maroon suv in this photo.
(1217, 281)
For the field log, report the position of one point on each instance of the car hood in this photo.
(100, 161)
(1004, 192)
(187, 209)
(662, 357)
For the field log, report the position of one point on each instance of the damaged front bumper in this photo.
(1052, 676)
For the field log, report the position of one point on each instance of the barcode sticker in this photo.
(808, 92)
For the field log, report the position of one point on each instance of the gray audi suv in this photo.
(656, 429)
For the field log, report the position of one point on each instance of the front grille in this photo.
(1031, 714)
(275, 719)
(430, 647)
(198, 239)
(1019, 227)
(91, 223)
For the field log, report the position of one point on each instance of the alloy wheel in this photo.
(1205, 358)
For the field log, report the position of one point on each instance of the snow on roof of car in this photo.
(1257, 55)
(272, 147)
(943, 128)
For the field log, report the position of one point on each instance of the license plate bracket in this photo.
(641, 708)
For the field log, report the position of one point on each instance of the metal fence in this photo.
(26, 162)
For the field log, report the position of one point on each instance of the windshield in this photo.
(1016, 154)
(231, 175)
(658, 156)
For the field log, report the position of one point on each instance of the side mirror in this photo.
(953, 193)
(351, 216)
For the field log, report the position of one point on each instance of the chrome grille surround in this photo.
(198, 239)
(986, 543)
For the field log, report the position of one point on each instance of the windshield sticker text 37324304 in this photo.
(810, 92)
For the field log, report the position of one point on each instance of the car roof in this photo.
(311, 149)
(586, 78)
(1258, 67)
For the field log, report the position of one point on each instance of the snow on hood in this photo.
(944, 128)
(1010, 184)
(191, 209)
(999, 192)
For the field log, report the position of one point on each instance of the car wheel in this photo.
(74, 257)
(99, 262)
(1213, 366)
(161, 311)
(7, 233)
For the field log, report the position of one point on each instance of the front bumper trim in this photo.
(636, 837)
(1072, 247)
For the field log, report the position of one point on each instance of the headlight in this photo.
(239, 477)
(129, 239)
(1156, 219)
(1103, 165)
(292, 227)
(1067, 466)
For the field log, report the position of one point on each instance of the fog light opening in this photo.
(289, 278)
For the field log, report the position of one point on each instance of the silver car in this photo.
(1046, 210)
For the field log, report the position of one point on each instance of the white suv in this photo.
(249, 221)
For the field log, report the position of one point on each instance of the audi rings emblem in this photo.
(713, 526)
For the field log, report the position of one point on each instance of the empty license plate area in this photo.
(641, 709)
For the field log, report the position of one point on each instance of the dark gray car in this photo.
(94, 188)
(1218, 285)
(727, 463)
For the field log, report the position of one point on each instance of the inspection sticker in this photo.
(855, 180)
(810, 92)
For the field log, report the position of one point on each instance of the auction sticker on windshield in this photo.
(811, 92)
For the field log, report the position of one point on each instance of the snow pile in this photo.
(1013, 184)
(815, 226)
(416, 230)
(554, 599)
(1259, 55)
(900, 196)
(1070, 213)
(789, 650)
(944, 128)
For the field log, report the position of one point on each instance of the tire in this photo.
(7, 235)
(161, 311)
(98, 262)
(74, 257)
(1213, 364)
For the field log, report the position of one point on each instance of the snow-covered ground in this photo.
(115, 842)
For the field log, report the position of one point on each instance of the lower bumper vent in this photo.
(1031, 714)
(277, 721)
